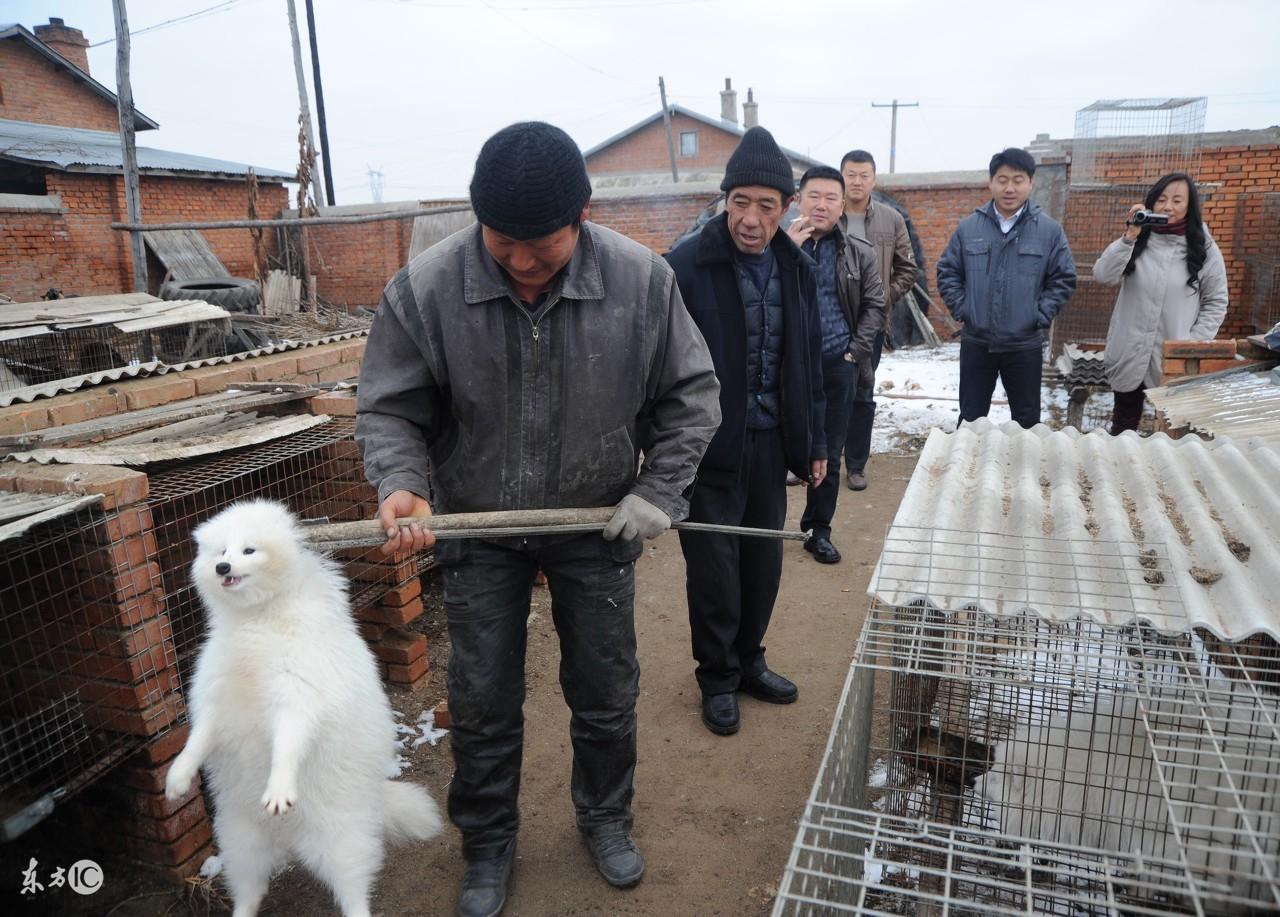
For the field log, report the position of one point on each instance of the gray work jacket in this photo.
(509, 412)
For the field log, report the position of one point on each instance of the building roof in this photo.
(16, 32)
(729, 127)
(75, 149)
(1179, 534)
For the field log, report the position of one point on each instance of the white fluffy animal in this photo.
(289, 718)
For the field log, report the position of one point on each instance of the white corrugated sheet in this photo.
(1177, 533)
(1243, 405)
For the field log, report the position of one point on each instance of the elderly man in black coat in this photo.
(751, 292)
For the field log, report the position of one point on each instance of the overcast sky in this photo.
(413, 87)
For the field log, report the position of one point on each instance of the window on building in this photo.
(19, 179)
(688, 143)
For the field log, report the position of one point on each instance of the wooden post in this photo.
(128, 153)
(666, 120)
(304, 106)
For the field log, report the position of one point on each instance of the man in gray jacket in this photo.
(528, 361)
(1006, 273)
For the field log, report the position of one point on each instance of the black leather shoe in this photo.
(484, 884)
(720, 713)
(823, 551)
(770, 687)
(616, 856)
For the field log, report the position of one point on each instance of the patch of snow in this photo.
(872, 870)
(879, 775)
(211, 867)
(430, 734)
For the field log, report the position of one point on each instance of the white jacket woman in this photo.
(1161, 297)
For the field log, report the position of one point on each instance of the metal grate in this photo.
(1119, 149)
(86, 659)
(1262, 265)
(316, 473)
(986, 763)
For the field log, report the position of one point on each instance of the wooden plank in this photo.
(116, 424)
(46, 311)
(185, 254)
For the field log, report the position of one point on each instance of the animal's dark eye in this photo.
(249, 550)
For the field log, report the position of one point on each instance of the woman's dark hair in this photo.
(1196, 242)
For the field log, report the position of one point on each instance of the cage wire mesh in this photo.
(37, 359)
(1064, 761)
(317, 473)
(1262, 264)
(1119, 149)
(86, 659)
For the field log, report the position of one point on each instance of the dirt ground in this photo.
(715, 816)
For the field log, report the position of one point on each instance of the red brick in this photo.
(163, 748)
(315, 358)
(162, 390)
(443, 720)
(394, 616)
(400, 646)
(339, 372)
(407, 674)
(272, 367)
(23, 419)
(1174, 366)
(1200, 349)
(1213, 366)
(403, 594)
(121, 486)
(173, 853)
(78, 407)
(335, 404)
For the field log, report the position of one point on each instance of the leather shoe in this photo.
(857, 480)
(770, 687)
(616, 855)
(484, 884)
(823, 551)
(720, 713)
(792, 480)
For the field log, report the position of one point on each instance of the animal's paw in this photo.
(280, 796)
(178, 782)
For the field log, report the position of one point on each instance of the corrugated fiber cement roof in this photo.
(1180, 534)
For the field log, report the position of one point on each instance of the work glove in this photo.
(634, 518)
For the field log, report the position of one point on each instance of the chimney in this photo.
(750, 111)
(68, 42)
(729, 102)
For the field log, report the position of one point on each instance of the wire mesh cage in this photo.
(86, 657)
(989, 763)
(1119, 149)
(317, 473)
(1262, 265)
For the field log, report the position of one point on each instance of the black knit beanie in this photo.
(530, 180)
(758, 161)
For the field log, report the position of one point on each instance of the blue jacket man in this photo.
(1005, 274)
(751, 292)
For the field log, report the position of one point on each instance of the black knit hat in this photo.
(758, 161)
(530, 180)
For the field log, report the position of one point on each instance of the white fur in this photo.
(1089, 779)
(289, 718)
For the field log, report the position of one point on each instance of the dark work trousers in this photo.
(1019, 372)
(839, 377)
(487, 588)
(862, 415)
(732, 580)
(1127, 412)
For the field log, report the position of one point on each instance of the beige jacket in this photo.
(887, 233)
(1156, 305)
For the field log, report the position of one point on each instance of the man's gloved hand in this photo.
(636, 518)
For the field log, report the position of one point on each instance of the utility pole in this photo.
(324, 131)
(666, 120)
(893, 128)
(375, 183)
(128, 152)
(304, 104)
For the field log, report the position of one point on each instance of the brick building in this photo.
(61, 182)
(640, 154)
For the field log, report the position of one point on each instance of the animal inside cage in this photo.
(86, 654)
(1019, 764)
(318, 473)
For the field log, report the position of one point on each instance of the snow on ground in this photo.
(903, 424)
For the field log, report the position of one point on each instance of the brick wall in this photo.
(34, 88)
(78, 252)
(353, 262)
(652, 220)
(935, 210)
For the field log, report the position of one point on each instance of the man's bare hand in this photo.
(817, 472)
(398, 505)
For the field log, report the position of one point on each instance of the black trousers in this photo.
(1019, 372)
(839, 377)
(1126, 413)
(487, 588)
(731, 580)
(857, 447)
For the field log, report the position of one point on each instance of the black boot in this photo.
(616, 856)
(720, 713)
(484, 884)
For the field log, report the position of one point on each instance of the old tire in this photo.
(235, 294)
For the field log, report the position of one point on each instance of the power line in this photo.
(177, 19)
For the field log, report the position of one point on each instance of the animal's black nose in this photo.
(223, 568)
